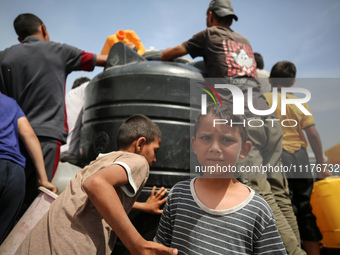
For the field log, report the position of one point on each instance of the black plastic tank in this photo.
(131, 84)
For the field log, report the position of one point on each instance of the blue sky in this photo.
(305, 32)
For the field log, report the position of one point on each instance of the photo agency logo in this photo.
(238, 99)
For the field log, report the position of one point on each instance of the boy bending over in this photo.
(214, 213)
(92, 211)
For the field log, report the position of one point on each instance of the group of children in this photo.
(213, 214)
(217, 214)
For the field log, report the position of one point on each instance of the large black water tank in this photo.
(159, 90)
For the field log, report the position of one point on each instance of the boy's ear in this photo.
(44, 33)
(193, 144)
(293, 82)
(210, 17)
(245, 149)
(141, 141)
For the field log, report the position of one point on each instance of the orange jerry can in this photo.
(125, 36)
(325, 201)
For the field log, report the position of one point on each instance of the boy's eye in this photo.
(205, 138)
(227, 140)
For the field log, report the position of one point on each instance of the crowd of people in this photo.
(263, 212)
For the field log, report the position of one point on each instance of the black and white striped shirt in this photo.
(193, 228)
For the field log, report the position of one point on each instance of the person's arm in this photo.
(101, 60)
(171, 53)
(100, 187)
(33, 148)
(315, 142)
(153, 203)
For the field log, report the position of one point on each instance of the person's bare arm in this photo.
(100, 187)
(315, 142)
(175, 52)
(101, 60)
(33, 148)
(153, 203)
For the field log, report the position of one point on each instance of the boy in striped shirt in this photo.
(214, 213)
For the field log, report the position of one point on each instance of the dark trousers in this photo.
(51, 152)
(12, 193)
(301, 187)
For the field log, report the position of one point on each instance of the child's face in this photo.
(220, 145)
(149, 151)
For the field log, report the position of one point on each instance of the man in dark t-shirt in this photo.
(226, 53)
(237, 59)
(34, 73)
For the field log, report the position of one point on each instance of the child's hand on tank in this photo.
(153, 203)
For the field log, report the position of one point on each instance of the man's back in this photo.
(293, 137)
(34, 74)
(226, 53)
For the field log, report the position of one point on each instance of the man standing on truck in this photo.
(229, 59)
(34, 74)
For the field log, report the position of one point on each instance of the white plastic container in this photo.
(27, 222)
(64, 174)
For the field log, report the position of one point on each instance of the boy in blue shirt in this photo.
(14, 126)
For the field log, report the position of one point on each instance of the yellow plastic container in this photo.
(125, 36)
(325, 201)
